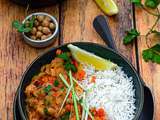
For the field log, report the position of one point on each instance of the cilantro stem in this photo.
(150, 31)
(151, 13)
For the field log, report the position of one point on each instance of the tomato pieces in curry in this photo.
(46, 92)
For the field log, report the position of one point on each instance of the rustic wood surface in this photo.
(150, 72)
(75, 18)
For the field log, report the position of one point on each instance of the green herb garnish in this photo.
(68, 65)
(65, 116)
(64, 56)
(22, 27)
(136, 2)
(152, 3)
(47, 89)
(131, 35)
(56, 83)
(46, 111)
(152, 53)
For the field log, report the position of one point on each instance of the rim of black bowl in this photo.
(141, 83)
(54, 20)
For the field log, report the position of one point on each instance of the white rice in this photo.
(113, 91)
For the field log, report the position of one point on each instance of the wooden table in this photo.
(75, 19)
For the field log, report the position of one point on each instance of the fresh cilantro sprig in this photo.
(68, 64)
(152, 3)
(153, 53)
(136, 2)
(131, 35)
(22, 27)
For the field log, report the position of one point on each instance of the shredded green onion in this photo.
(83, 111)
(64, 80)
(78, 84)
(87, 111)
(74, 96)
(65, 98)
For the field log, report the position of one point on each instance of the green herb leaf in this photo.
(26, 30)
(152, 54)
(20, 27)
(131, 35)
(31, 22)
(56, 83)
(152, 3)
(136, 2)
(69, 66)
(16, 24)
(65, 116)
(64, 56)
(46, 111)
(47, 89)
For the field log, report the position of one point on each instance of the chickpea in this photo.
(52, 26)
(46, 30)
(36, 23)
(39, 34)
(40, 28)
(45, 23)
(47, 18)
(40, 18)
(33, 37)
(34, 30)
(43, 37)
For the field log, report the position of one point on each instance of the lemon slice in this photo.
(108, 6)
(85, 57)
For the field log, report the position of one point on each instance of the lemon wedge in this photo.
(108, 6)
(85, 57)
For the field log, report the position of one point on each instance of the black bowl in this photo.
(99, 50)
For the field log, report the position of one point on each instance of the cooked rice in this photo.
(113, 91)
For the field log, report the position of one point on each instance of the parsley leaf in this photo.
(152, 3)
(47, 89)
(56, 83)
(45, 110)
(152, 54)
(131, 35)
(69, 66)
(22, 27)
(136, 2)
(65, 116)
(64, 56)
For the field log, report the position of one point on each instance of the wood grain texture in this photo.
(150, 72)
(15, 55)
(76, 24)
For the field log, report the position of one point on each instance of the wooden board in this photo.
(15, 55)
(76, 24)
(150, 72)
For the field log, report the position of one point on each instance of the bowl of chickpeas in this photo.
(44, 29)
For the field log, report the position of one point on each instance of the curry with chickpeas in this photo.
(46, 95)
